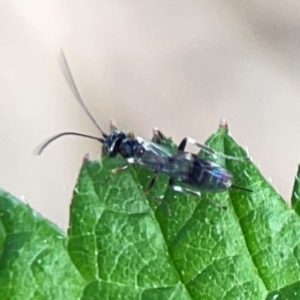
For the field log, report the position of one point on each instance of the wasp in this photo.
(188, 172)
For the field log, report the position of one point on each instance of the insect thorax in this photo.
(112, 143)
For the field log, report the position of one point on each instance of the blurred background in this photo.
(178, 65)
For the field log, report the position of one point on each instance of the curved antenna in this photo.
(41, 148)
(70, 80)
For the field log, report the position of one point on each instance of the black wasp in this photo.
(188, 172)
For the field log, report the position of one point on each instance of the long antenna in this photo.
(42, 147)
(70, 80)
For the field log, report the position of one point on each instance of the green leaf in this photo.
(296, 193)
(34, 263)
(124, 245)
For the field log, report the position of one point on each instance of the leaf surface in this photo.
(124, 245)
(34, 262)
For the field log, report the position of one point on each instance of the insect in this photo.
(188, 172)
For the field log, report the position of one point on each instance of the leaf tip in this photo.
(23, 199)
(86, 158)
(113, 125)
(223, 124)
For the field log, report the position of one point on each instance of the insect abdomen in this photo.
(206, 175)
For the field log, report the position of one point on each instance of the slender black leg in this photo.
(182, 145)
(159, 199)
(157, 137)
(151, 184)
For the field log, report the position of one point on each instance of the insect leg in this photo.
(159, 199)
(151, 183)
(182, 144)
(184, 190)
(119, 169)
(207, 149)
(158, 137)
(114, 172)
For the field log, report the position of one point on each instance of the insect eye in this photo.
(139, 150)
